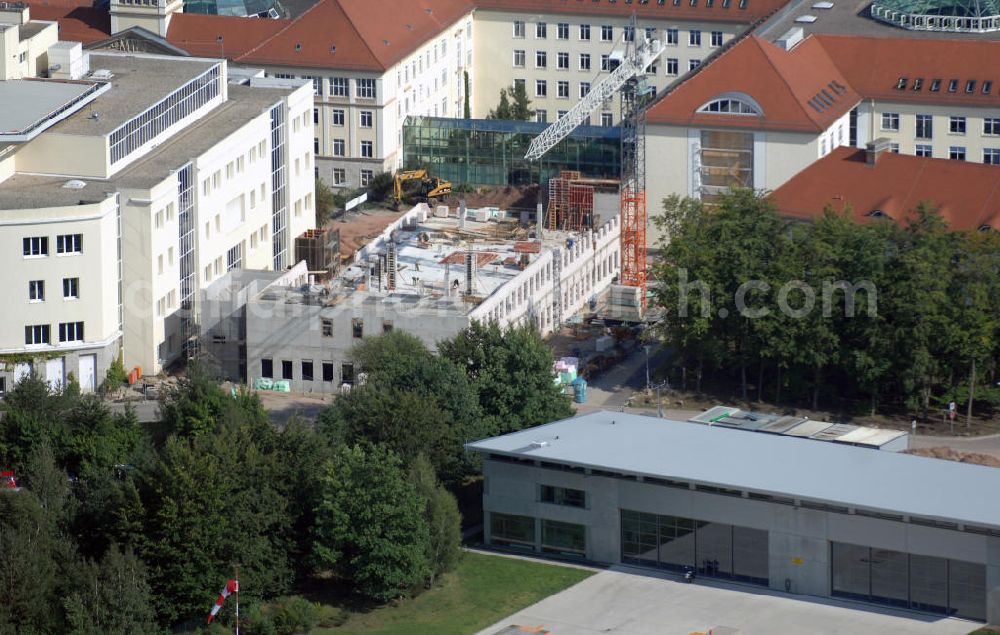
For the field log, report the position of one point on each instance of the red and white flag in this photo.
(232, 586)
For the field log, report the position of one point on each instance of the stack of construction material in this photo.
(571, 204)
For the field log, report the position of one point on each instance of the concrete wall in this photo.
(799, 551)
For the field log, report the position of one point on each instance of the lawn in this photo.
(480, 592)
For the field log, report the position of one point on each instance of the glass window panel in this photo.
(750, 555)
(929, 584)
(677, 542)
(560, 537)
(889, 573)
(967, 589)
(508, 529)
(715, 549)
(849, 570)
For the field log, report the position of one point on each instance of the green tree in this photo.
(502, 111)
(444, 522)
(27, 566)
(380, 187)
(116, 376)
(412, 401)
(197, 405)
(115, 598)
(325, 202)
(520, 107)
(466, 109)
(370, 527)
(511, 372)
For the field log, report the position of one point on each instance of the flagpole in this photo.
(237, 599)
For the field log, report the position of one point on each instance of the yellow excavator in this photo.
(431, 187)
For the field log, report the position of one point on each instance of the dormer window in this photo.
(732, 104)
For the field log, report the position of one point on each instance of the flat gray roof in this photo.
(849, 17)
(243, 105)
(27, 103)
(22, 191)
(779, 465)
(137, 84)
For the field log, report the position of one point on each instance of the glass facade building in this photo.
(491, 151)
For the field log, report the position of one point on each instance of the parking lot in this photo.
(628, 601)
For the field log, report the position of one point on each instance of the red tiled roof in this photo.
(77, 23)
(966, 194)
(344, 34)
(219, 35)
(798, 90)
(702, 10)
(874, 67)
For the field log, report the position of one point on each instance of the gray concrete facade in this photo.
(89, 366)
(325, 167)
(798, 537)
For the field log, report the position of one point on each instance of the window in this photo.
(339, 175)
(605, 62)
(367, 149)
(952, 85)
(337, 117)
(925, 127)
(509, 530)
(672, 66)
(693, 64)
(673, 36)
(315, 121)
(366, 119)
(36, 246)
(327, 371)
(606, 119)
(267, 368)
(347, 373)
(607, 33)
(694, 37)
(562, 496)
(71, 288)
(562, 90)
(71, 332)
(234, 257)
(894, 148)
(584, 89)
(326, 327)
(585, 32)
(584, 61)
(518, 58)
(357, 328)
(36, 334)
(541, 31)
(731, 106)
(563, 538)
(956, 153)
(315, 149)
(991, 156)
(541, 59)
(307, 370)
(365, 88)
(991, 126)
(562, 31)
(541, 115)
(36, 290)
(890, 121)
(286, 369)
(716, 38)
(386, 326)
(339, 147)
(338, 87)
(541, 88)
(924, 150)
(518, 28)
(562, 61)
(366, 177)
(628, 33)
(956, 125)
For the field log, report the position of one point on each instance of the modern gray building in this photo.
(792, 514)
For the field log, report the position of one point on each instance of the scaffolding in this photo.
(571, 202)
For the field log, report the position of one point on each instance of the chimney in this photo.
(874, 149)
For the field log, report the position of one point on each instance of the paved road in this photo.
(629, 601)
(989, 444)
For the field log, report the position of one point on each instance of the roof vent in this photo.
(74, 184)
(791, 37)
(824, 6)
(102, 73)
(333, 48)
(873, 149)
(298, 46)
(409, 27)
(805, 19)
(386, 42)
(535, 445)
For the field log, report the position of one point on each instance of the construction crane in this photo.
(625, 80)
